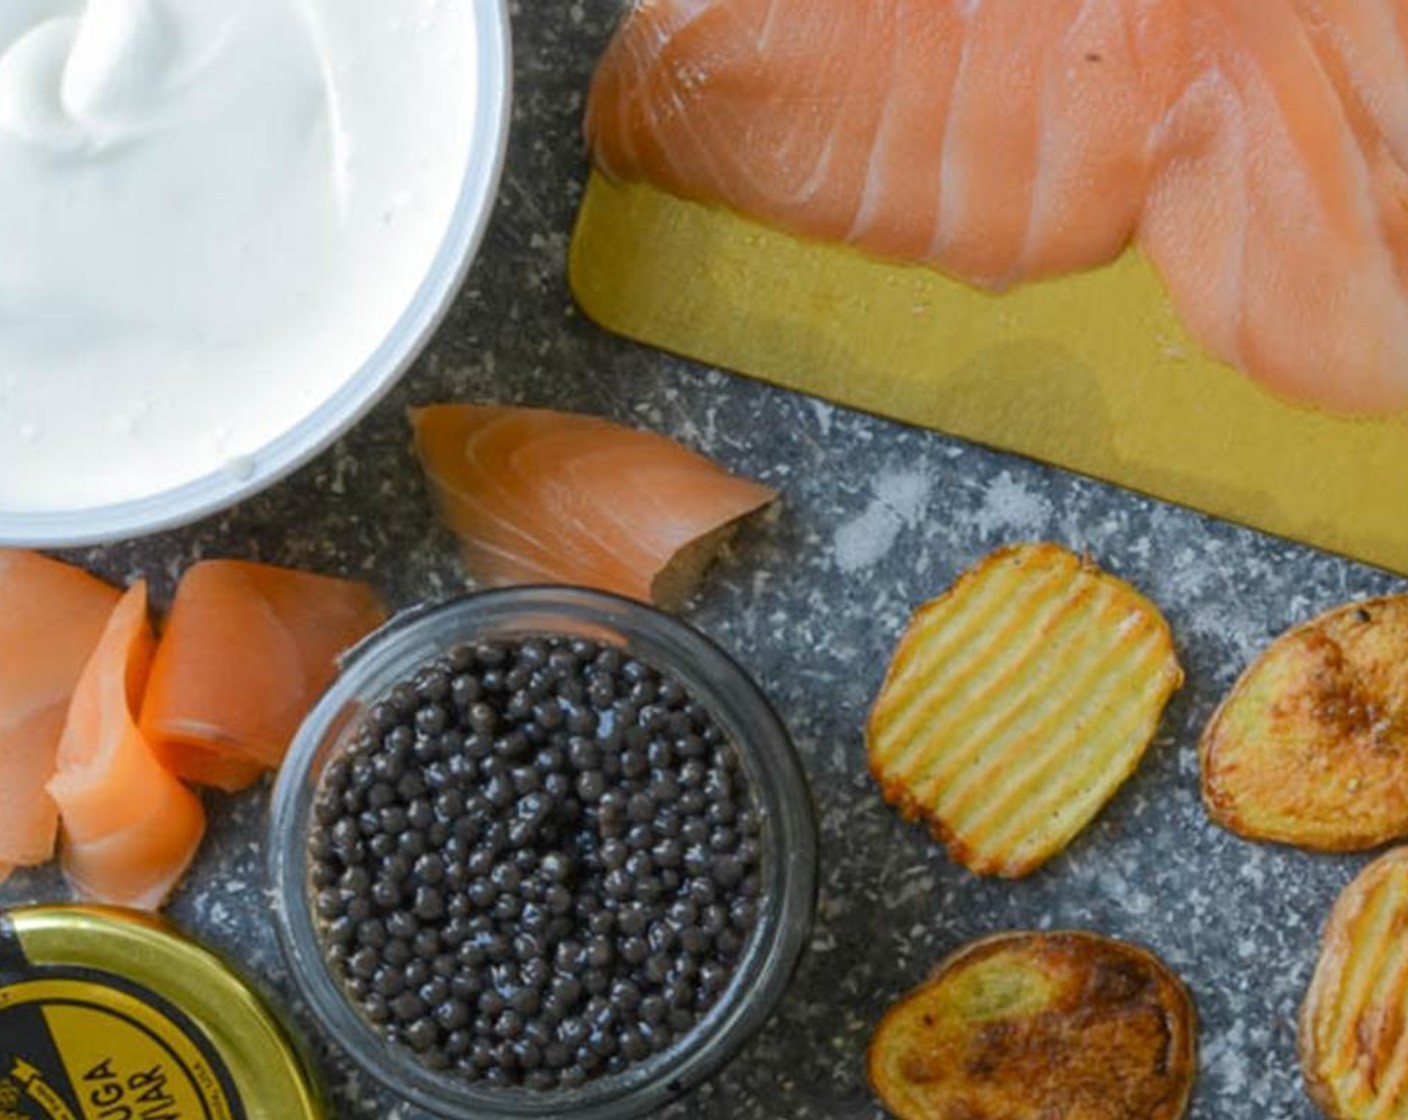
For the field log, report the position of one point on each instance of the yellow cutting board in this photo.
(1093, 372)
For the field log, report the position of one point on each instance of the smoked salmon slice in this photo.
(130, 828)
(537, 496)
(1256, 150)
(246, 651)
(1001, 141)
(51, 617)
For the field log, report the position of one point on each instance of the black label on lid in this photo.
(84, 1044)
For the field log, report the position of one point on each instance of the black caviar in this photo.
(536, 862)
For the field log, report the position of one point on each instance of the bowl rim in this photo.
(770, 957)
(364, 389)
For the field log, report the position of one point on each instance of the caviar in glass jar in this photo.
(536, 862)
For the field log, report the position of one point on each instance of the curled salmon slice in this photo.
(538, 496)
(1256, 150)
(130, 828)
(246, 651)
(51, 617)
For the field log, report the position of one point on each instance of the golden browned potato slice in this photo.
(1353, 1025)
(1018, 703)
(1029, 1025)
(1311, 746)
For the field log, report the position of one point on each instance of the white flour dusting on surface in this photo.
(1225, 1059)
(900, 502)
(1010, 506)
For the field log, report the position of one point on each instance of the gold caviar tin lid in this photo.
(111, 1015)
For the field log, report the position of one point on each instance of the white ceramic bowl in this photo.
(356, 396)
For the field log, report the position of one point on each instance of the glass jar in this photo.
(789, 864)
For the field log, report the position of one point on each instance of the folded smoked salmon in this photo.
(1255, 150)
(130, 828)
(246, 651)
(537, 496)
(51, 616)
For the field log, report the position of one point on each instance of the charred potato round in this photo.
(1018, 703)
(1069, 1025)
(1311, 746)
(1353, 1034)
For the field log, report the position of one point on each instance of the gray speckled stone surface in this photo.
(876, 518)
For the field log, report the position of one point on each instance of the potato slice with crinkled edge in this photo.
(1354, 1022)
(1311, 746)
(1017, 704)
(1070, 1025)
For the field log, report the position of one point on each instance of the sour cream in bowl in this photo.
(225, 229)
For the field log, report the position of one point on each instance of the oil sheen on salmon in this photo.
(211, 214)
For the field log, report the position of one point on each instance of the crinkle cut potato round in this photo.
(1354, 1023)
(1018, 703)
(1311, 746)
(1036, 1025)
